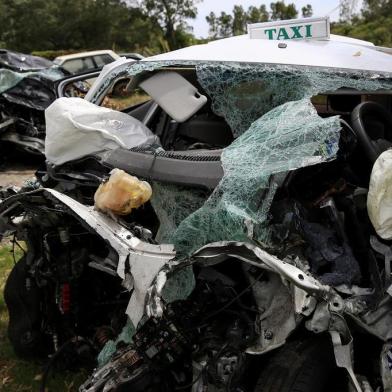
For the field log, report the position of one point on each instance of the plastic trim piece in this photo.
(180, 171)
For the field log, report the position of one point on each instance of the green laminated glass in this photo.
(173, 204)
(286, 138)
(277, 129)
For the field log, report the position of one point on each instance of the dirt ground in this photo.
(15, 175)
(14, 171)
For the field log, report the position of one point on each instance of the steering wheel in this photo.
(372, 124)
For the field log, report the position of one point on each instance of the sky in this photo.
(200, 26)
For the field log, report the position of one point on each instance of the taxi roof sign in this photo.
(307, 28)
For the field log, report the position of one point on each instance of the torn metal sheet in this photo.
(276, 319)
(277, 315)
(377, 320)
(140, 260)
(344, 357)
(256, 256)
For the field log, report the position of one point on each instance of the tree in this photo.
(171, 16)
(220, 26)
(226, 25)
(239, 20)
(373, 9)
(279, 11)
(347, 9)
(76, 25)
(307, 11)
(372, 24)
(257, 14)
(212, 21)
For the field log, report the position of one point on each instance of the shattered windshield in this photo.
(242, 93)
(277, 129)
(287, 138)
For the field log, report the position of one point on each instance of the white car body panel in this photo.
(337, 52)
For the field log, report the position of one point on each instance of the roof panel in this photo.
(337, 52)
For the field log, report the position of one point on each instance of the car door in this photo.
(79, 85)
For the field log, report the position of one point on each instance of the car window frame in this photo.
(60, 84)
(83, 59)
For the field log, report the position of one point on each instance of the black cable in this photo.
(246, 289)
(15, 242)
(55, 356)
(13, 249)
(51, 363)
(236, 298)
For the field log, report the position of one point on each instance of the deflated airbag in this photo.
(379, 202)
(76, 128)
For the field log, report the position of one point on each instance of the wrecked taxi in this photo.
(240, 236)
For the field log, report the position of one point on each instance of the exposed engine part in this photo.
(166, 352)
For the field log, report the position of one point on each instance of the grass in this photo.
(17, 375)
